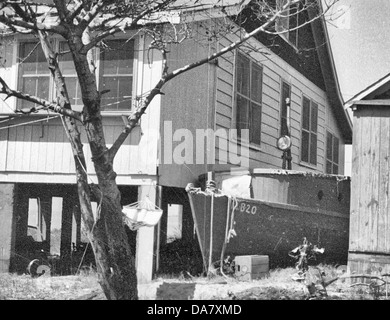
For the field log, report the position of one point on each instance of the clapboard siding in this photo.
(275, 70)
(3, 148)
(32, 148)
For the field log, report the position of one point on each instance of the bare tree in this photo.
(84, 25)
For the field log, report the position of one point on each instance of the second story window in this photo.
(249, 78)
(69, 72)
(34, 74)
(332, 154)
(116, 74)
(309, 131)
(288, 22)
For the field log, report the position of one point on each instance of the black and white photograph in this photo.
(194, 155)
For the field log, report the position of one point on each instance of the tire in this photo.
(37, 268)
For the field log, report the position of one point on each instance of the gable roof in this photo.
(329, 72)
(373, 91)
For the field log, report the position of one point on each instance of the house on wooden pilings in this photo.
(36, 163)
(369, 244)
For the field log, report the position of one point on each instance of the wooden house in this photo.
(244, 89)
(369, 244)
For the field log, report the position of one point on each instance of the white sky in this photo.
(360, 42)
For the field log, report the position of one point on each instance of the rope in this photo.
(26, 123)
(226, 236)
(211, 231)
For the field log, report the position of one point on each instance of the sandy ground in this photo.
(279, 285)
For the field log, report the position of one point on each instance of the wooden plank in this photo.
(272, 89)
(270, 73)
(27, 150)
(355, 186)
(365, 196)
(51, 163)
(269, 140)
(223, 121)
(69, 160)
(35, 134)
(19, 148)
(225, 98)
(59, 149)
(374, 170)
(43, 136)
(3, 148)
(384, 167)
(270, 119)
(225, 87)
(224, 109)
(225, 73)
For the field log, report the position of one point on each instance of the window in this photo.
(285, 100)
(309, 131)
(34, 75)
(69, 72)
(116, 74)
(332, 154)
(288, 21)
(249, 79)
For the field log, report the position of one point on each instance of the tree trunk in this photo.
(114, 258)
(106, 232)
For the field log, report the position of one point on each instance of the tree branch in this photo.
(92, 13)
(126, 24)
(61, 9)
(44, 104)
(76, 11)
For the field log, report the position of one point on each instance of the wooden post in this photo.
(7, 234)
(45, 202)
(145, 241)
(159, 190)
(66, 233)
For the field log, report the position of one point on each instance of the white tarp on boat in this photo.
(237, 186)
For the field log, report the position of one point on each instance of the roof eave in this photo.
(324, 51)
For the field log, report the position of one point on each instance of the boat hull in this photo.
(228, 226)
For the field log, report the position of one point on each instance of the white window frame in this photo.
(19, 76)
(310, 132)
(333, 163)
(252, 61)
(52, 91)
(283, 23)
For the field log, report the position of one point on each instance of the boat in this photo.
(269, 212)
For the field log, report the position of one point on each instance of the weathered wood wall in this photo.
(187, 103)
(369, 243)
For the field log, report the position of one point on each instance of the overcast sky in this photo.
(360, 42)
